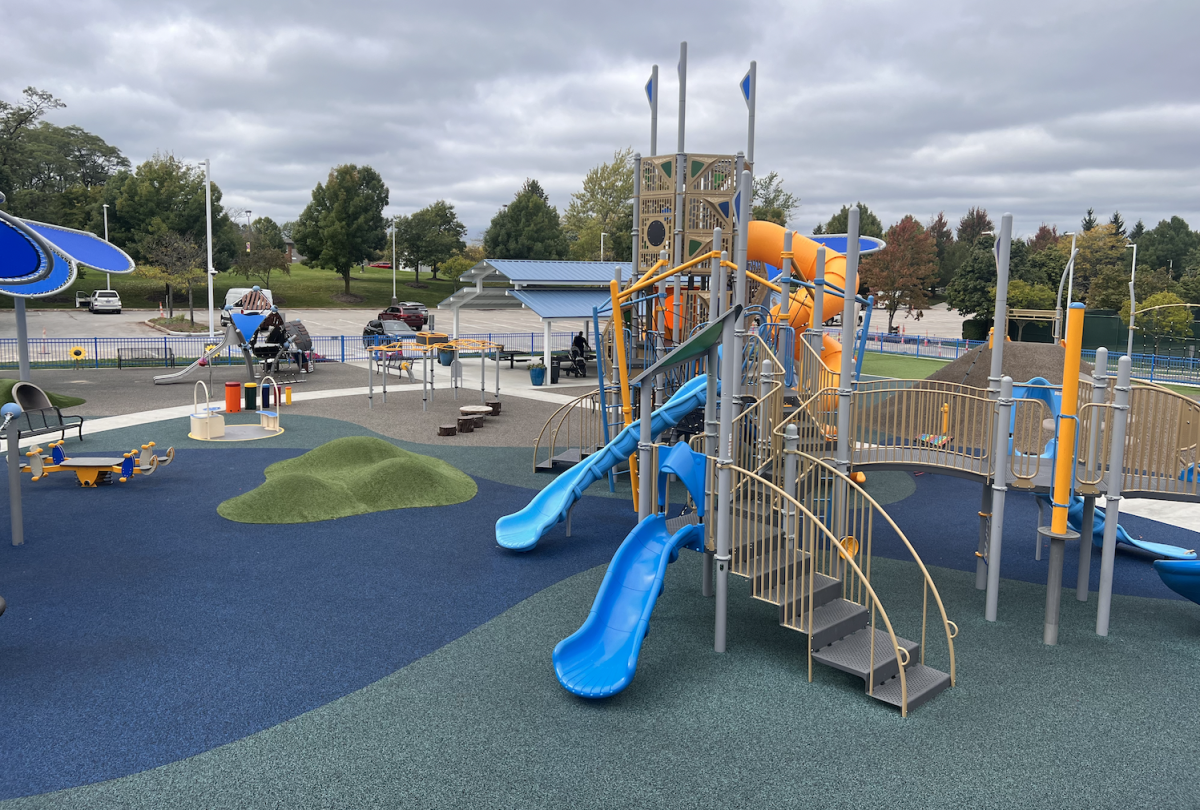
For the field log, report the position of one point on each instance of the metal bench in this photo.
(39, 416)
(143, 357)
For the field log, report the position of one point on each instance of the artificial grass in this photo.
(58, 400)
(355, 475)
(899, 366)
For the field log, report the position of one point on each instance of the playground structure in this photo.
(426, 350)
(261, 337)
(793, 430)
(207, 422)
(91, 471)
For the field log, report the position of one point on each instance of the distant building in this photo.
(292, 256)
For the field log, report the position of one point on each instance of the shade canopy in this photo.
(563, 303)
(37, 260)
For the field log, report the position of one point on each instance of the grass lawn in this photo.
(304, 288)
(899, 366)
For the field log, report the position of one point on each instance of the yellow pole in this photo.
(945, 418)
(1064, 469)
(623, 376)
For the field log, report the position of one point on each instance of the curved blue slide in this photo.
(1181, 576)
(521, 530)
(599, 659)
(1075, 522)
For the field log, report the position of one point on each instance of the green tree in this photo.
(266, 253)
(943, 239)
(972, 291)
(526, 228)
(1118, 224)
(1046, 236)
(868, 223)
(1101, 252)
(430, 236)
(1136, 232)
(769, 202)
(165, 194)
(16, 121)
(1089, 221)
(1168, 244)
(174, 259)
(462, 261)
(899, 274)
(602, 206)
(1174, 320)
(344, 223)
(268, 232)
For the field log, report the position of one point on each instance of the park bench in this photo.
(38, 415)
(144, 357)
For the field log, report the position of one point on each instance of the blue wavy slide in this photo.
(521, 530)
(1075, 522)
(599, 659)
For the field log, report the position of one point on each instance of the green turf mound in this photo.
(58, 400)
(350, 476)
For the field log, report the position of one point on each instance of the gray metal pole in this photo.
(14, 482)
(654, 111)
(1003, 248)
(750, 102)
(208, 232)
(719, 281)
(22, 338)
(682, 92)
(848, 324)
(739, 285)
(1132, 301)
(645, 446)
(1112, 509)
(817, 327)
(711, 425)
(999, 490)
(1099, 391)
(729, 376)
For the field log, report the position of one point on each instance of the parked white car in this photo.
(105, 301)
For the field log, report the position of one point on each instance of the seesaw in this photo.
(93, 470)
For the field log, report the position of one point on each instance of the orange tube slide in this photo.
(764, 243)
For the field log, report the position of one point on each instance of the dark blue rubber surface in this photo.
(143, 628)
(941, 521)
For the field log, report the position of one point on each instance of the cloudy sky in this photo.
(910, 107)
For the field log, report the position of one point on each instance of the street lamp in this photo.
(1068, 270)
(208, 236)
(248, 230)
(107, 277)
(393, 262)
(1132, 298)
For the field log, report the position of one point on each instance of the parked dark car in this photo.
(380, 332)
(408, 314)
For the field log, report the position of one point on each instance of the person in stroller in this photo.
(579, 351)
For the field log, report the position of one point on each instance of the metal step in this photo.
(676, 523)
(825, 591)
(774, 574)
(567, 458)
(835, 620)
(923, 684)
(853, 654)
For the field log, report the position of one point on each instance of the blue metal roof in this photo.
(563, 303)
(531, 271)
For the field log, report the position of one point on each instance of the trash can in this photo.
(233, 397)
(445, 357)
(553, 372)
(252, 396)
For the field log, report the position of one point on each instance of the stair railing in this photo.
(849, 511)
(575, 424)
(1161, 443)
(774, 539)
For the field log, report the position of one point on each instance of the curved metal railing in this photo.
(577, 425)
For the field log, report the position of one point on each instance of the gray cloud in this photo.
(912, 108)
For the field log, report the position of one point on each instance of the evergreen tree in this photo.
(1117, 223)
(526, 228)
(974, 225)
(1139, 228)
(868, 223)
(1089, 221)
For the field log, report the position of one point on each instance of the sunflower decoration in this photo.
(77, 353)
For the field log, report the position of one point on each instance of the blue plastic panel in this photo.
(23, 256)
(84, 248)
(62, 276)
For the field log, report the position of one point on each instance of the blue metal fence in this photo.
(100, 352)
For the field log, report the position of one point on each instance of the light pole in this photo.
(248, 230)
(107, 277)
(1069, 269)
(393, 262)
(1132, 299)
(602, 235)
(208, 235)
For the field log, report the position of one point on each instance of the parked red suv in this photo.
(410, 315)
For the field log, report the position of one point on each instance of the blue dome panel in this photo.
(85, 248)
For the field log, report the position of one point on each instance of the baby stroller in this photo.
(576, 365)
